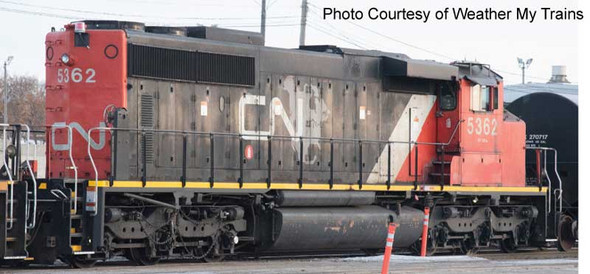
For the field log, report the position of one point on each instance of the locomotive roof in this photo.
(318, 61)
(314, 60)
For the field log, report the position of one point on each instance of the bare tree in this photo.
(26, 103)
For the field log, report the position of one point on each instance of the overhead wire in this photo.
(421, 48)
(278, 21)
(337, 37)
(343, 34)
(140, 15)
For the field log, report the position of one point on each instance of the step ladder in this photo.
(13, 230)
(77, 210)
(441, 167)
(15, 204)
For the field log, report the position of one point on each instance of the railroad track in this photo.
(529, 254)
(489, 254)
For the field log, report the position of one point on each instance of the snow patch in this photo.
(413, 259)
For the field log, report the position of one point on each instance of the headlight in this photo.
(65, 58)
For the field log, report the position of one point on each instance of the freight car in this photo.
(557, 129)
(202, 143)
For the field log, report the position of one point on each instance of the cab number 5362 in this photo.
(481, 126)
(76, 75)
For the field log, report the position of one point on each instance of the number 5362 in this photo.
(482, 126)
(75, 75)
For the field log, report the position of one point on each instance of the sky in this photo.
(497, 43)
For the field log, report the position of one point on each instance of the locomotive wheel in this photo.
(468, 248)
(80, 262)
(208, 256)
(508, 246)
(209, 253)
(141, 256)
(431, 247)
(212, 258)
(565, 236)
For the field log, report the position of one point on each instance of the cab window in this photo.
(484, 98)
(448, 98)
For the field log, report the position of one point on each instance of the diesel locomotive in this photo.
(202, 143)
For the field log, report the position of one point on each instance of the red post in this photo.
(388, 247)
(425, 231)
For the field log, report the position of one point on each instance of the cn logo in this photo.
(249, 152)
(77, 127)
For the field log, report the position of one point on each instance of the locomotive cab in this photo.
(488, 146)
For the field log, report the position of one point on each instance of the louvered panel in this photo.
(226, 69)
(161, 63)
(147, 122)
(205, 67)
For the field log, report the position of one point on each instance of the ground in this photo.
(522, 262)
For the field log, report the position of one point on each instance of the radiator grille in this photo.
(226, 69)
(147, 122)
(173, 64)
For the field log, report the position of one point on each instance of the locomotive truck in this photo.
(202, 143)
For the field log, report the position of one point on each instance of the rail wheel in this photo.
(508, 245)
(80, 262)
(431, 247)
(468, 247)
(210, 252)
(141, 256)
(566, 238)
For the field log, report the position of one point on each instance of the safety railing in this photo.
(269, 139)
(9, 172)
(34, 213)
(70, 146)
(542, 170)
(16, 128)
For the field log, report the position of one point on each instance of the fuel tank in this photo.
(342, 228)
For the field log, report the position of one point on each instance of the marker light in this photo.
(79, 27)
(65, 58)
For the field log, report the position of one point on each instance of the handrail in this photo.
(74, 167)
(270, 137)
(94, 167)
(32, 225)
(560, 189)
(284, 137)
(450, 138)
(9, 172)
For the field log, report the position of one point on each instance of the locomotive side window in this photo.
(448, 98)
(481, 98)
(495, 99)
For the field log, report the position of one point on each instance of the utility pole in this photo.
(263, 21)
(524, 65)
(5, 91)
(303, 22)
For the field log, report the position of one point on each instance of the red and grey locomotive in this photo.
(201, 143)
